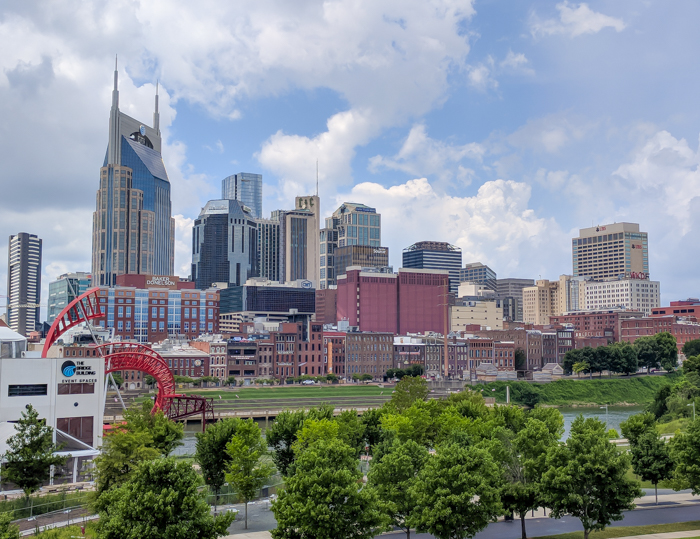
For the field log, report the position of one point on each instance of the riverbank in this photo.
(632, 391)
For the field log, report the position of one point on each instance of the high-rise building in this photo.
(513, 288)
(23, 282)
(224, 244)
(351, 224)
(64, 290)
(360, 255)
(299, 241)
(476, 272)
(435, 255)
(269, 248)
(540, 302)
(132, 230)
(246, 188)
(610, 251)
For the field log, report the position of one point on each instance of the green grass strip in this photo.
(626, 531)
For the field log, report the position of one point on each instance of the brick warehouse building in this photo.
(602, 323)
(411, 301)
(682, 329)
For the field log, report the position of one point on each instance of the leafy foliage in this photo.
(210, 452)
(457, 492)
(322, 499)
(637, 425)
(248, 468)
(651, 459)
(7, 529)
(409, 390)
(122, 452)
(691, 348)
(166, 434)
(685, 451)
(30, 453)
(586, 478)
(159, 501)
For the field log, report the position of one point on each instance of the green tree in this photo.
(352, 429)
(658, 406)
(30, 453)
(692, 363)
(159, 501)
(149, 380)
(651, 459)
(523, 466)
(629, 363)
(602, 359)
(571, 358)
(211, 455)
(314, 431)
(122, 452)
(580, 366)
(393, 477)
(526, 394)
(7, 529)
(637, 425)
(457, 492)
(648, 352)
(691, 348)
(551, 417)
(668, 351)
(371, 419)
(166, 434)
(323, 499)
(685, 451)
(281, 435)
(409, 390)
(586, 478)
(118, 379)
(248, 468)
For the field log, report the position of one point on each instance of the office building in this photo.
(411, 301)
(435, 255)
(611, 251)
(360, 255)
(351, 224)
(631, 294)
(269, 248)
(485, 313)
(299, 241)
(476, 272)
(513, 288)
(224, 245)
(152, 308)
(540, 302)
(64, 290)
(327, 306)
(133, 231)
(23, 283)
(247, 189)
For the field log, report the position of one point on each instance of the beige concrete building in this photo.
(540, 302)
(611, 251)
(484, 313)
(230, 322)
(300, 241)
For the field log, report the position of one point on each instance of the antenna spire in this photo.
(156, 114)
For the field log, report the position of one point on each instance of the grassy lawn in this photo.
(281, 392)
(673, 426)
(625, 531)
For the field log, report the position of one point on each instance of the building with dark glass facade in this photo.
(246, 188)
(224, 245)
(476, 272)
(360, 255)
(133, 231)
(436, 255)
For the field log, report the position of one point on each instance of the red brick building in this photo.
(369, 353)
(688, 307)
(217, 356)
(412, 301)
(334, 352)
(682, 329)
(596, 323)
(327, 306)
(294, 354)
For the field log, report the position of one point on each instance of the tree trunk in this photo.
(246, 514)
(656, 492)
(408, 533)
(522, 525)
(585, 533)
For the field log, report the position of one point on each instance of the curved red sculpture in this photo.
(120, 356)
(85, 305)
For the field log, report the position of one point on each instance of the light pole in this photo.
(693, 405)
(606, 414)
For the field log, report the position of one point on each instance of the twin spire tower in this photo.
(133, 231)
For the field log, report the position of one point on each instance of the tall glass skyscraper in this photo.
(246, 188)
(435, 255)
(133, 231)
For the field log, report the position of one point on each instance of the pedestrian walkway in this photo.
(667, 535)
(253, 535)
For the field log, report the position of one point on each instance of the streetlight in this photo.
(606, 413)
(693, 405)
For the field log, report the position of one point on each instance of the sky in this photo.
(501, 127)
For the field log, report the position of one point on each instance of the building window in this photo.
(27, 390)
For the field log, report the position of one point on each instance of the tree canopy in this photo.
(210, 452)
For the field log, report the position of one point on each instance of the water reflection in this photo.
(615, 416)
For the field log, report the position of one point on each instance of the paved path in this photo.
(668, 535)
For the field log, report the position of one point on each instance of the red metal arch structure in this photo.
(120, 356)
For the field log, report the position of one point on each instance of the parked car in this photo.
(308, 382)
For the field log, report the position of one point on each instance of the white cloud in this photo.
(517, 62)
(183, 245)
(421, 155)
(494, 226)
(480, 76)
(553, 179)
(550, 133)
(575, 20)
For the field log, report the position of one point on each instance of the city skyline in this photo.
(526, 123)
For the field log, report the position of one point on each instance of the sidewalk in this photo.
(668, 535)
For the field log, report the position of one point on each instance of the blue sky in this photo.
(501, 127)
